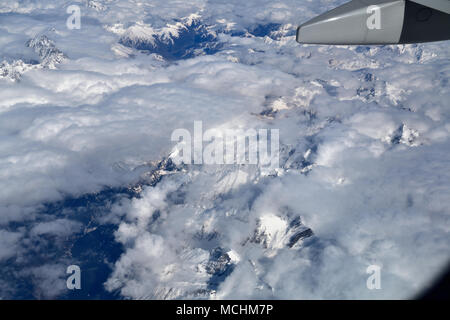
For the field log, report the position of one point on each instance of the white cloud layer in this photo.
(364, 135)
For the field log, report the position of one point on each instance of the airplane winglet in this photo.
(379, 22)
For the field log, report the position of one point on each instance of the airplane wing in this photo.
(379, 22)
(441, 5)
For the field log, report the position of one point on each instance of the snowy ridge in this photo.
(183, 39)
(14, 70)
(273, 232)
(49, 54)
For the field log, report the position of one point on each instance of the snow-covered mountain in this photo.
(184, 39)
(88, 174)
(49, 55)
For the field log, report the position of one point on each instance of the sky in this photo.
(87, 177)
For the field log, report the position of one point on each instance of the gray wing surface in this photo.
(379, 22)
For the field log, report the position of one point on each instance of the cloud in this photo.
(9, 242)
(364, 140)
(59, 227)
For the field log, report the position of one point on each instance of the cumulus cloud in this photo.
(9, 241)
